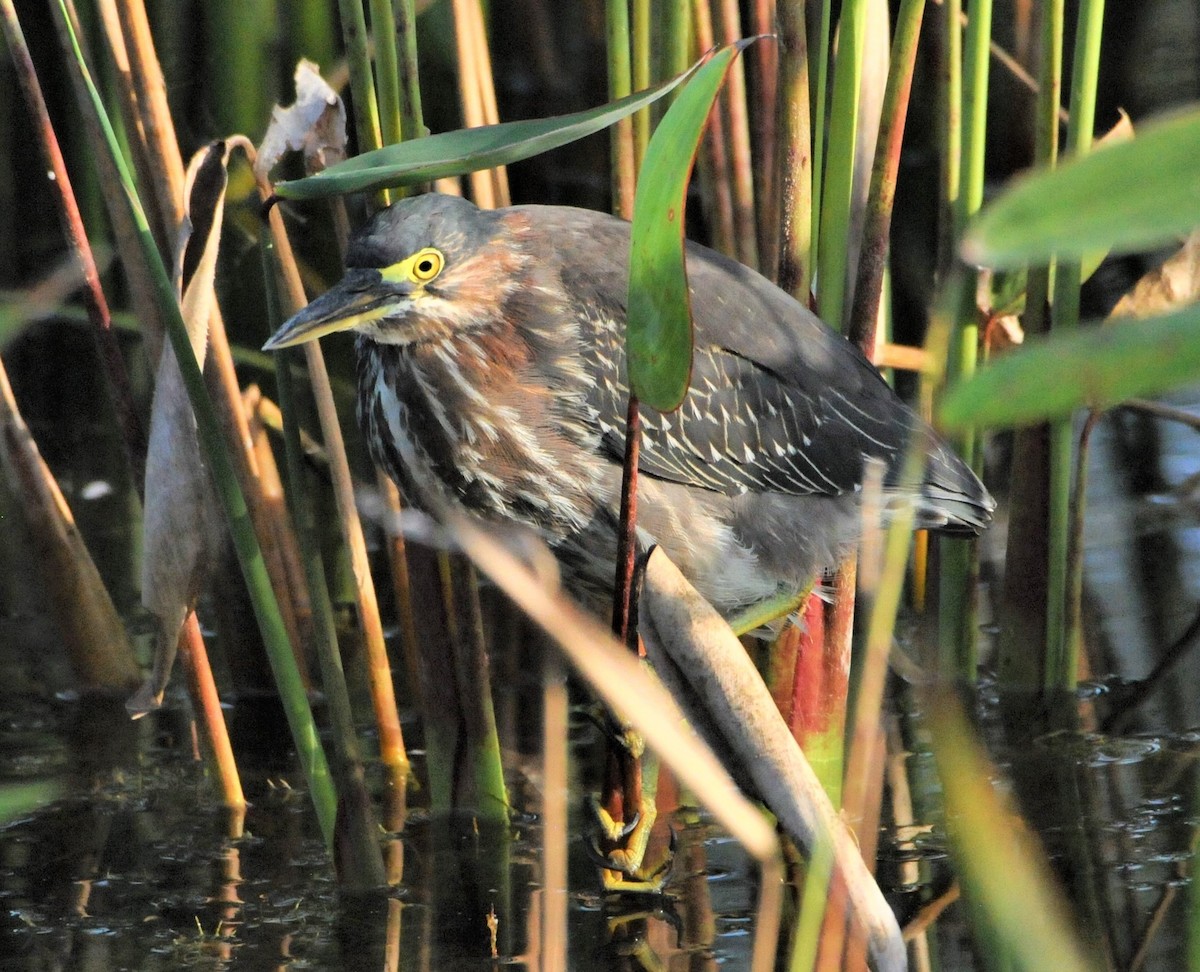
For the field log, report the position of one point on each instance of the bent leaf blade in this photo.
(468, 149)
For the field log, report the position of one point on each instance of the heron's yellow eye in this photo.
(426, 264)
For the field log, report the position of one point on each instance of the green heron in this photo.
(491, 371)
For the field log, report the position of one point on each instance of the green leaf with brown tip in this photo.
(1095, 367)
(659, 335)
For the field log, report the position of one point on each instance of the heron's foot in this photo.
(619, 849)
(622, 737)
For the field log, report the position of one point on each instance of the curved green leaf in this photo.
(1096, 367)
(468, 149)
(1128, 196)
(659, 334)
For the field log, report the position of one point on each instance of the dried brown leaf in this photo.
(315, 124)
(182, 523)
(1175, 283)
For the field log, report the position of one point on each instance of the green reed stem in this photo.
(833, 258)
(641, 76)
(676, 33)
(387, 71)
(620, 85)
(266, 608)
(976, 62)
(959, 573)
(806, 940)
(362, 84)
(795, 175)
(819, 121)
(1062, 663)
(411, 117)
(951, 130)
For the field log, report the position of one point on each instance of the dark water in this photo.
(131, 869)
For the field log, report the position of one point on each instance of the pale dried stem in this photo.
(726, 700)
(153, 113)
(285, 548)
(133, 435)
(200, 680)
(91, 629)
(487, 92)
(110, 22)
(145, 95)
(383, 697)
(146, 98)
(141, 287)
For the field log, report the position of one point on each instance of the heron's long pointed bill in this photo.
(356, 300)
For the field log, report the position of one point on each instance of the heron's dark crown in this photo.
(454, 225)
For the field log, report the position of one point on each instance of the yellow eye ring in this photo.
(426, 264)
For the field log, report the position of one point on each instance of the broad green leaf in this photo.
(468, 149)
(1096, 367)
(1129, 196)
(659, 335)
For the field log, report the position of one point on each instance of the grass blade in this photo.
(466, 150)
(266, 608)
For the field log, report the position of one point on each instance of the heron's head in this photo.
(425, 268)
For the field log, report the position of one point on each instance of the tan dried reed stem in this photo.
(733, 101)
(474, 76)
(392, 752)
(714, 160)
(133, 435)
(144, 99)
(92, 631)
